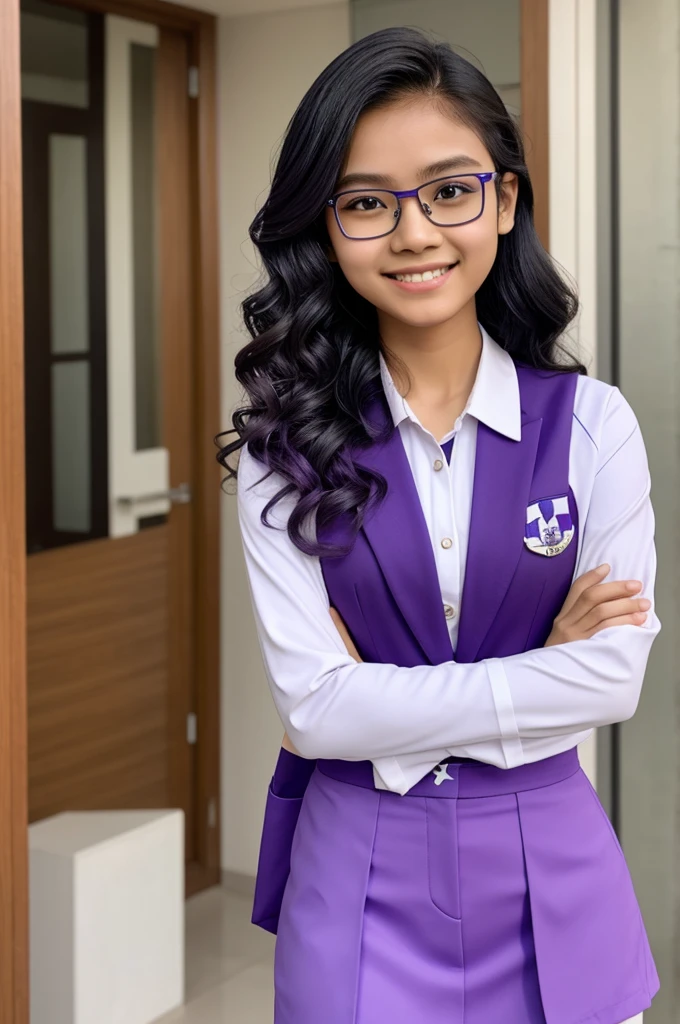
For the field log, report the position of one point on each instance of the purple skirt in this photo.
(481, 896)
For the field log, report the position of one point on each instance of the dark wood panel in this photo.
(535, 113)
(13, 805)
(97, 675)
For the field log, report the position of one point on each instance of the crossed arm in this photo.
(505, 711)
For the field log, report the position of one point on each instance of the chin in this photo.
(426, 318)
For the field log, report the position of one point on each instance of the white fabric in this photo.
(503, 711)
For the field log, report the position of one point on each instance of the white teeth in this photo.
(429, 275)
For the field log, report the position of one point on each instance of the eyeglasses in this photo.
(447, 202)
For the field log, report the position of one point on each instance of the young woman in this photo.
(431, 497)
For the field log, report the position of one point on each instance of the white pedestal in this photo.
(106, 916)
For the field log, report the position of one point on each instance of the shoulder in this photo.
(249, 468)
(603, 416)
(603, 419)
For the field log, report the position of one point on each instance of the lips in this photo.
(423, 270)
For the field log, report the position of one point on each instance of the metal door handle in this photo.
(177, 495)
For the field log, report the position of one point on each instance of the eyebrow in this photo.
(453, 163)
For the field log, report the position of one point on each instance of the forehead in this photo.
(396, 141)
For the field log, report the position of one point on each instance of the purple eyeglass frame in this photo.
(482, 176)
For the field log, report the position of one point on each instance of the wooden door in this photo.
(110, 416)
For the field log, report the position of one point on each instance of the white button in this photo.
(438, 464)
(447, 542)
(449, 611)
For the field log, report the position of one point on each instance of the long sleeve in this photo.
(550, 699)
(329, 704)
(334, 707)
(586, 683)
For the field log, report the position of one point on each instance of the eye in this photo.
(453, 190)
(354, 204)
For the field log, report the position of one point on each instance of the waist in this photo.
(463, 778)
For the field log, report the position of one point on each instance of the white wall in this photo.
(573, 178)
(266, 62)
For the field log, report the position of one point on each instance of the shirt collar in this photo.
(494, 399)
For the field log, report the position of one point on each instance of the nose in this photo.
(414, 229)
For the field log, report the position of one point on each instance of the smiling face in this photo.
(397, 142)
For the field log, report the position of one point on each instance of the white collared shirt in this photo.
(503, 711)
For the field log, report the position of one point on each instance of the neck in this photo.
(441, 361)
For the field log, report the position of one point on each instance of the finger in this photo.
(594, 603)
(599, 594)
(588, 579)
(624, 620)
(615, 609)
(580, 586)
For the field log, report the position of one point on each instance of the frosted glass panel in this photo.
(68, 243)
(71, 446)
(54, 54)
(648, 216)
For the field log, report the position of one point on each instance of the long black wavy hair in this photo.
(311, 366)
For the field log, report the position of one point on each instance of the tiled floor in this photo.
(229, 963)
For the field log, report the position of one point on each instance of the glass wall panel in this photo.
(71, 446)
(54, 54)
(648, 357)
(69, 306)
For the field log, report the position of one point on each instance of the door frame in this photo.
(534, 91)
(200, 30)
(13, 742)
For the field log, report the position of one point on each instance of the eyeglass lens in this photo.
(450, 201)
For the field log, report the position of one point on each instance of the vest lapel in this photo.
(504, 471)
(398, 534)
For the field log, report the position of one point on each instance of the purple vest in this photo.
(387, 591)
(511, 595)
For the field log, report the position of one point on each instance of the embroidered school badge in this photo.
(549, 526)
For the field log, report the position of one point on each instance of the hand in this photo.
(342, 630)
(591, 606)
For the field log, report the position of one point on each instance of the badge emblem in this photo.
(549, 527)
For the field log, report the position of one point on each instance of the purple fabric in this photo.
(471, 779)
(504, 902)
(447, 448)
(510, 595)
(291, 775)
(282, 808)
(514, 908)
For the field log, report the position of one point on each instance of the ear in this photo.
(507, 203)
